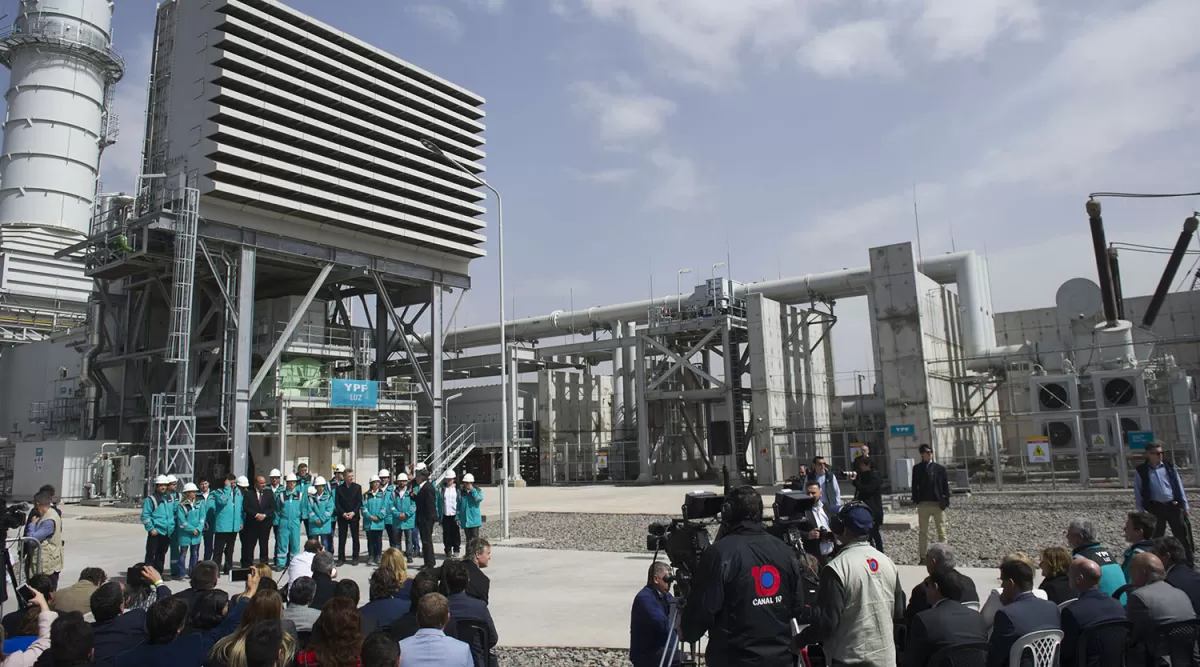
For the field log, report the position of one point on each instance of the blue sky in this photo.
(631, 138)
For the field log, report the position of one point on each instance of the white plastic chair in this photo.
(1043, 645)
(1065, 604)
(972, 605)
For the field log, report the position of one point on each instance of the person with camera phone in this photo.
(859, 598)
(745, 592)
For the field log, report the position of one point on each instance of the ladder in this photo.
(456, 447)
(184, 274)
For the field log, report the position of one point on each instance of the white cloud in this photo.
(615, 176)
(623, 113)
(881, 220)
(965, 28)
(439, 18)
(122, 162)
(489, 6)
(860, 47)
(676, 185)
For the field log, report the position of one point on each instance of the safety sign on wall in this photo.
(38, 459)
(1039, 449)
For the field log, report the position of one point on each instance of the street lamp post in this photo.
(678, 292)
(436, 150)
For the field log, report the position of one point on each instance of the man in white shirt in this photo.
(451, 537)
(820, 540)
(301, 565)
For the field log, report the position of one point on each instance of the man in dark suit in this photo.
(939, 557)
(931, 495)
(427, 515)
(1173, 555)
(347, 502)
(946, 623)
(116, 629)
(1023, 613)
(322, 577)
(1154, 602)
(258, 513)
(464, 607)
(1093, 606)
(479, 555)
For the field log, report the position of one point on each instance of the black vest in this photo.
(1143, 472)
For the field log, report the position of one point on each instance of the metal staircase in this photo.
(456, 447)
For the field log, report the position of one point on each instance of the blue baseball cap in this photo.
(858, 520)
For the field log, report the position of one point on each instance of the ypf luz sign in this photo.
(363, 394)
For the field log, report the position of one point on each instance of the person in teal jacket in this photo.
(227, 522)
(375, 513)
(318, 514)
(404, 516)
(158, 518)
(289, 506)
(389, 491)
(189, 529)
(174, 496)
(469, 500)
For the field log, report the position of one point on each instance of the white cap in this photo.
(291, 477)
(312, 490)
(190, 487)
(420, 466)
(243, 482)
(468, 478)
(161, 479)
(339, 468)
(374, 478)
(319, 481)
(171, 479)
(449, 474)
(403, 477)
(384, 473)
(274, 473)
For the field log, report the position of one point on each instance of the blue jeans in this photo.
(414, 541)
(326, 541)
(374, 544)
(183, 565)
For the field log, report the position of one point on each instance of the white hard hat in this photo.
(374, 478)
(420, 466)
(312, 490)
(319, 481)
(291, 477)
(243, 482)
(468, 478)
(171, 479)
(339, 468)
(274, 473)
(384, 473)
(161, 479)
(190, 487)
(449, 474)
(403, 477)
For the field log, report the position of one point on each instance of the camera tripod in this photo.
(6, 560)
(673, 639)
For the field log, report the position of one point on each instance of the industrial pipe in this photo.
(1100, 248)
(1114, 265)
(1168, 276)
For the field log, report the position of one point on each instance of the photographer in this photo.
(747, 589)
(649, 620)
(45, 526)
(858, 600)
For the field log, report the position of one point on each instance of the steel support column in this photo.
(731, 401)
(383, 347)
(645, 472)
(436, 425)
(244, 355)
(515, 470)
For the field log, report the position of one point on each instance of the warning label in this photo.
(1039, 449)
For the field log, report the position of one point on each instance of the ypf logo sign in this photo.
(766, 584)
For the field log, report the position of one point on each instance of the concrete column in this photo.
(643, 423)
(436, 427)
(632, 410)
(731, 405)
(514, 409)
(619, 370)
(242, 358)
(282, 434)
(354, 440)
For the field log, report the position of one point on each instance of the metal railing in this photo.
(455, 448)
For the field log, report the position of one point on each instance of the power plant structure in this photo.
(273, 290)
(58, 121)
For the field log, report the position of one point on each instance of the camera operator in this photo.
(858, 599)
(746, 590)
(45, 526)
(649, 621)
(819, 541)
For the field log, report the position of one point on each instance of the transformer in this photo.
(1055, 403)
(1121, 397)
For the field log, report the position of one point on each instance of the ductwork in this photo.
(966, 269)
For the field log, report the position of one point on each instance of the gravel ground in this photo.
(981, 528)
(547, 657)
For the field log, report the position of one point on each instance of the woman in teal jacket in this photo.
(318, 514)
(189, 529)
(404, 516)
(227, 502)
(469, 500)
(375, 517)
(159, 519)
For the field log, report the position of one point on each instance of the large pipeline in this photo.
(1168, 276)
(1100, 248)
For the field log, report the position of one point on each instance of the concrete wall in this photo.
(481, 406)
(63, 465)
(769, 397)
(575, 409)
(30, 373)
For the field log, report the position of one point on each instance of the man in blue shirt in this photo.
(1158, 489)
(831, 492)
(430, 646)
(649, 621)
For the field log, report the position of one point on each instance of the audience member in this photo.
(385, 606)
(322, 576)
(393, 560)
(267, 645)
(1173, 555)
(41, 583)
(1090, 608)
(819, 541)
(462, 606)
(426, 582)
(27, 631)
(650, 632)
(1139, 534)
(263, 607)
(347, 588)
(336, 637)
(996, 598)
(430, 647)
(72, 642)
(78, 596)
(1153, 602)
(1081, 535)
(1056, 584)
(205, 577)
(45, 526)
(868, 488)
(939, 557)
(208, 610)
(302, 563)
(1022, 611)
(30, 651)
(946, 623)
(266, 580)
(380, 650)
(478, 557)
(298, 611)
(140, 592)
(119, 624)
